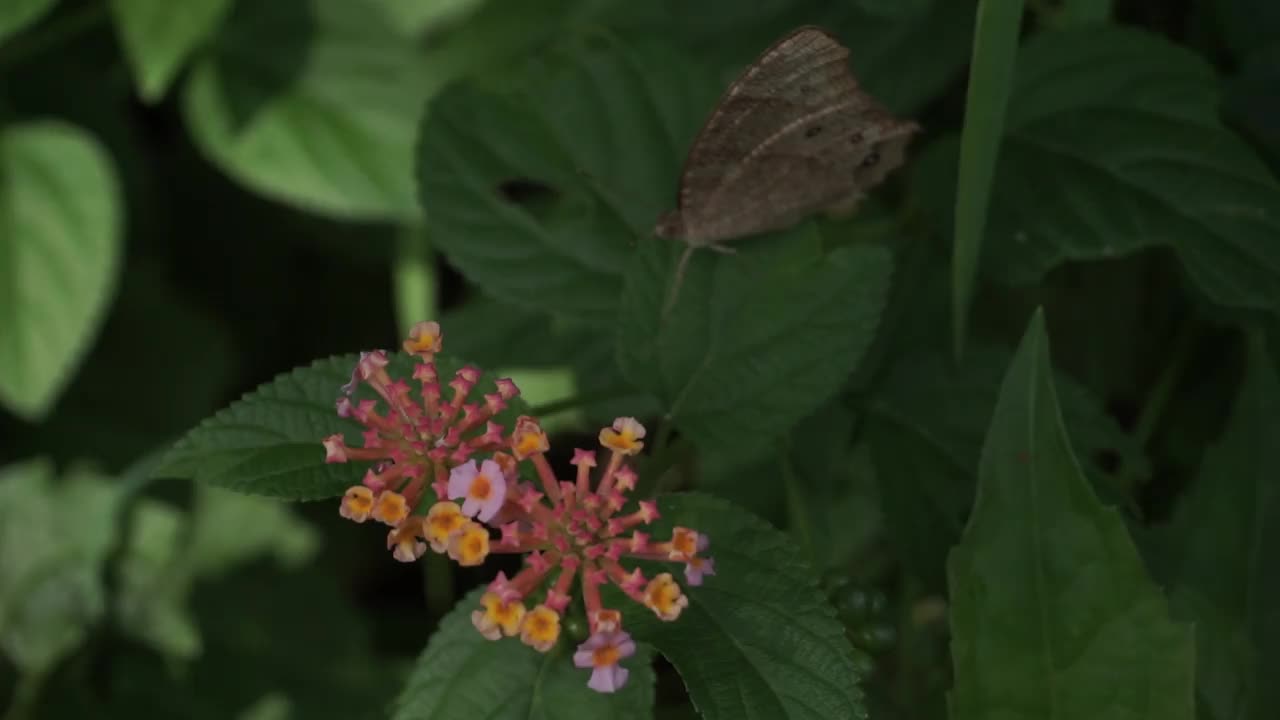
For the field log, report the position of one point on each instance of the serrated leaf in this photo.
(1113, 146)
(755, 341)
(54, 537)
(1052, 613)
(1217, 555)
(539, 182)
(313, 102)
(461, 674)
(269, 442)
(159, 35)
(18, 14)
(60, 224)
(495, 335)
(758, 639)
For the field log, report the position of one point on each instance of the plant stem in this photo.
(414, 279)
(437, 585)
(555, 406)
(1158, 399)
(25, 694)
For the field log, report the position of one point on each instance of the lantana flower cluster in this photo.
(574, 533)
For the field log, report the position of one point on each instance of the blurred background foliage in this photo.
(197, 196)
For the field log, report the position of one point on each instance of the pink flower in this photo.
(483, 488)
(602, 651)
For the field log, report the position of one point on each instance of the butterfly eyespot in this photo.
(812, 132)
(855, 139)
(871, 160)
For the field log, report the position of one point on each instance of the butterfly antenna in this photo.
(678, 281)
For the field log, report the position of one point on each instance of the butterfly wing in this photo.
(789, 137)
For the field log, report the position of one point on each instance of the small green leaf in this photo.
(758, 639)
(269, 442)
(54, 537)
(1218, 554)
(313, 102)
(755, 341)
(18, 14)
(152, 582)
(60, 225)
(540, 182)
(168, 551)
(995, 46)
(463, 675)
(159, 35)
(1052, 614)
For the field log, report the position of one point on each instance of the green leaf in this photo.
(152, 582)
(168, 551)
(1052, 613)
(1218, 551)
(463, 675)
(758, 639)
(54, 538)
(926, 432)
(1114, 146)
(885, 49)
(18, 14)
(995, 46)
(495, 334)
(755, 341)
(60, 225)
(894, 8)
(269, 442)
(1251, 105)
(159, 35)
(1247, 25)
(315, 103)
(540, 181)
(417, 16)
(1075, 12)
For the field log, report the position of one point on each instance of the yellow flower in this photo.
(390, 507)
(664, 597)
(498, 618)
(470, 546)
(444, 520)
(540, 629)
(528, 438)
(356, 503)
(624, 436)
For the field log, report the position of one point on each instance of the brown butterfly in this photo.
(792, 136)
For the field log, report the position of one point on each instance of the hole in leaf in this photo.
(536, 197)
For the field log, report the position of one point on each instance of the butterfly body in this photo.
(792, 136)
